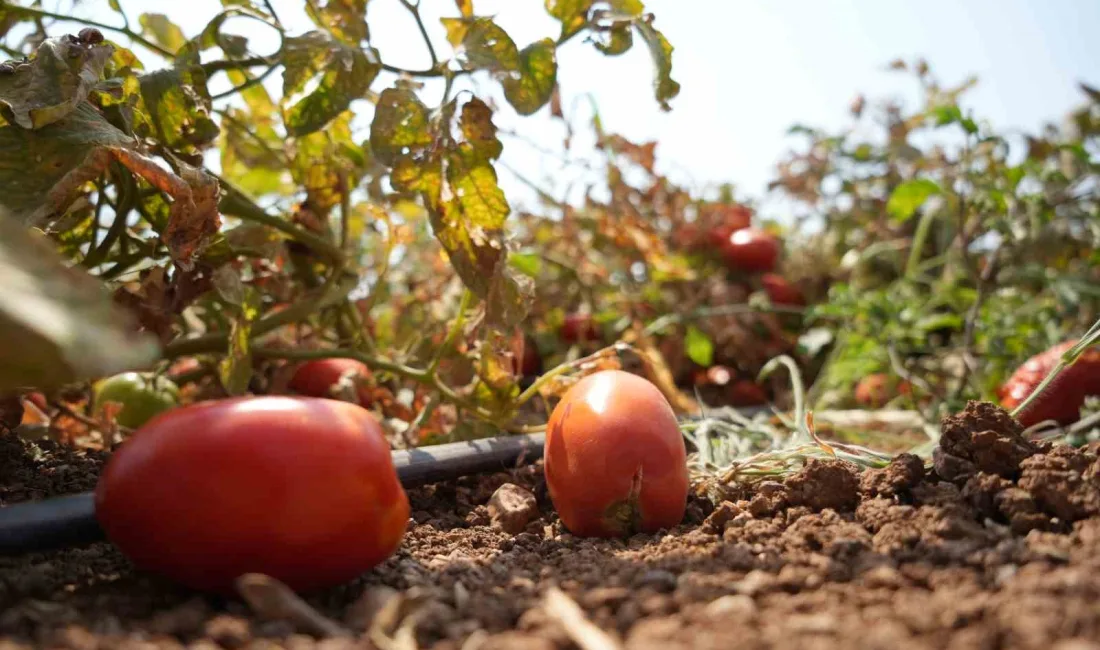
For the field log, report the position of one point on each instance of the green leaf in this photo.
(344, 19)
(482, 44)
(346, 75)
(162, 31)
(59, 325)
(538, 72)
(665, 87)
(909, 196)
(573, 15)
(616, 40)
(400, 126)
(478, 129)
(53, 83)
(235, 370)
(699, 347)
(178, 106)
(529, 264)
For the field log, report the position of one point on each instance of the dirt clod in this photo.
(822, 484)
(983, 437)
(511, 508)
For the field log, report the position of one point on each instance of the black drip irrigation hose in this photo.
(70, 521)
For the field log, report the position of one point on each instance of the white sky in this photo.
(748, 69)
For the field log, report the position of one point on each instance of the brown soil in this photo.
(1005, 554)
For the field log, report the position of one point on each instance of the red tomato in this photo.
(780, 291)
(745, 392)
(731, 219)
(1063, 399)
(529, 364)
(300, 488)
(752, 250)
(875, 390)
(615, 460)
(318, 378)
(579, 327)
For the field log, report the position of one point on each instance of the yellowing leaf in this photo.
(162, 31)
(573, 14)
(482, 43)
(538, 73)
(400, 126)
(665, 87)
(178, 105)
(478, 129)
(344, 19)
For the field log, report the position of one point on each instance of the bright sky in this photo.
(748, 69)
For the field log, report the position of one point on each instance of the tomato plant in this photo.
(615, 460)
(302, 489)
(752, 250)
(320, 377)
(140, 396)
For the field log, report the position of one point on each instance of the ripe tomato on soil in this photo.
(579, 327)
(615, 460)
(875, 390)
(1063, 398)
(751, 250)
(780, 291)
(141, 396)
(319, 377)
(300, 488)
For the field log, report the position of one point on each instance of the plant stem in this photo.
(246, 85)
(1090, 338)
(414, 9)
(134, 36)
(452, 334)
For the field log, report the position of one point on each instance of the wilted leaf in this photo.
(53, 83)
(162, 31)
(616, 40)
(482, 43)
(465, 7)
(538, 72)
(344, 19)
(348, 74)
(478, 129)
(178, 105)
(664, 86)
(909, 196)
(573, 14)
(320, 159)
(58, 324)
(400, 126)
(303, 57)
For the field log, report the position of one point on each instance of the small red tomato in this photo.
(752, 250)
(745, 392)
(1064, 397)
(731, 218)
(579, 327)
(302, 489)
(615, 460)
(780, 291)
(319, 378)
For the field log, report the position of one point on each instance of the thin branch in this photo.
(414, 9)
(134, 36)
(254, 81)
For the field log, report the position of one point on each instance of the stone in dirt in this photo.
(511, 508)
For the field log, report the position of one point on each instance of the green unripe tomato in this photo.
(142, 395)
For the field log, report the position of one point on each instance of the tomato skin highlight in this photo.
(752, 250)
(302, 489)
(1064, 397)
(615, 461)
(317, 378)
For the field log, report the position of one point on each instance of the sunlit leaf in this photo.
(482, 43)
(53, 83)
(529, 264)
(910, 196)
(400, 125)
(344, 19)
(346, 75)
(573, 14)
(699, 347)
(664, 86)
(162, 31)
(615, 41)
(235, 370)
(538, 70)
(178, 106)
(478, 129)
(465, 7)
(320, 159)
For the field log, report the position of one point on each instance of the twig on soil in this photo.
(584, 633)
(273, 600)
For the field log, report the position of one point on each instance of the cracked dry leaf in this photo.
(53, 83)
(58, 323)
